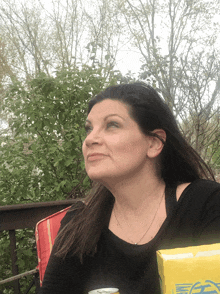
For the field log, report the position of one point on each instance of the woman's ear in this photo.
(155, 144)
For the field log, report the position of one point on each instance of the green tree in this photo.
(41, 158)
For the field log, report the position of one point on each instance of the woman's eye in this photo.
(88, 129)
(112, 124)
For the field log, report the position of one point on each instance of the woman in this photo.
(148, 194)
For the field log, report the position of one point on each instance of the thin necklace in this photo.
(136, 243)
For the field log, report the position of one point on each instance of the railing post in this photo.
(22, 216)
(14, 260)
(37, 282)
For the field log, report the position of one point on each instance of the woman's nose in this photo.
(93, 138)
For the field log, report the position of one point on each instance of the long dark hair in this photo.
(179, 163)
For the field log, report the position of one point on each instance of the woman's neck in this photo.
(139, 210)
(135, 196)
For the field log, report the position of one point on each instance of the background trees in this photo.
(179, 45)
(41, 158)
(45, 84)
(46, 36)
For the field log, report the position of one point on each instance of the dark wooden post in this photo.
(14, 260)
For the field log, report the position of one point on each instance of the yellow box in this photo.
(190, 270)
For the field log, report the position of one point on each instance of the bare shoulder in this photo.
(180, 189)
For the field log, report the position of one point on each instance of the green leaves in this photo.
(26, 258)
(42, 159)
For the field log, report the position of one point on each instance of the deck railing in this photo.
(22, 216)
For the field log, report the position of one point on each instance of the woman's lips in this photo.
(95, 156)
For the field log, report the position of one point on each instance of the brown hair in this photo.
(179, 163)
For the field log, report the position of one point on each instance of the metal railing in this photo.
(23, 216)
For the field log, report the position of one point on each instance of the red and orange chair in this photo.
(45, 233)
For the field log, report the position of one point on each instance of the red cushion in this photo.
(45, 233)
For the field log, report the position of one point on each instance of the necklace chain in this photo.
(136, 243)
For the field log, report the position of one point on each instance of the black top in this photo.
(193, 220)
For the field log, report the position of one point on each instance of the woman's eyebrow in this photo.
(114, 114)
(109, 115)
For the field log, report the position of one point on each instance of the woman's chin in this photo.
(95, 177)
(105, 180)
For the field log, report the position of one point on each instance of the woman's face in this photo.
(115, 148)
